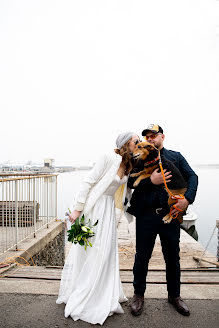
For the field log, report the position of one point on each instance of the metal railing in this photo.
(27, 203)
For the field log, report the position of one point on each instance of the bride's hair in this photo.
(126, 157)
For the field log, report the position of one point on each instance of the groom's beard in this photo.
(157, 144)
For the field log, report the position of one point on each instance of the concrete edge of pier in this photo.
(156, 291)
(33, 245)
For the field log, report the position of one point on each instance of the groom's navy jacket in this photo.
(147, 195)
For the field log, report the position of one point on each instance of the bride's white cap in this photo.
(123, 138)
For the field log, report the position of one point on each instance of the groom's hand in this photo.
(182, 204)
(157, 178)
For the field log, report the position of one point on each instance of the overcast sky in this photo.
(74, 74)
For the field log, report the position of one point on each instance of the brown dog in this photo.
(150, 156)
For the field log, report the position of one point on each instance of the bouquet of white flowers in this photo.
(81, 231)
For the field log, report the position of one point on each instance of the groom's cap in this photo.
(155, 128)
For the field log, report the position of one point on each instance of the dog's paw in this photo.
(167, 219)
(133, 175)
(135, 184)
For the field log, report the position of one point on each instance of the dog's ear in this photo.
(149, 147)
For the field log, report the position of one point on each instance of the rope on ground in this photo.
(13, 260)
(200, 259)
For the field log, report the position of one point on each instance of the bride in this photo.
(90, 284)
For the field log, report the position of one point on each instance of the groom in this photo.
(149, 205)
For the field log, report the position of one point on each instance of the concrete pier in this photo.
(39, 286)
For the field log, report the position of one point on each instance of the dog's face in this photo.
(145, 150)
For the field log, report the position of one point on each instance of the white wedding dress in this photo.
(90, 284)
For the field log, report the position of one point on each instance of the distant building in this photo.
(48, 165)
(49, 162)
(6, 168)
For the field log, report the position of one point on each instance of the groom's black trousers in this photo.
(148, 225)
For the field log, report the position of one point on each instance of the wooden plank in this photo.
(154, 277)
(50, 268)
(185, 278)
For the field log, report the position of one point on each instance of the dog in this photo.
(149, 154)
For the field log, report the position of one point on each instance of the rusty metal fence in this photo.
(27, 203)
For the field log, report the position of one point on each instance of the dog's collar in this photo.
(152, 162)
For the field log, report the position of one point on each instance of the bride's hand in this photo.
(74, 215)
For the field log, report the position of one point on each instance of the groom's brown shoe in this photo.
(137, 303)
(179, 304)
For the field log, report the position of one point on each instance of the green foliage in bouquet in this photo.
(80, 232)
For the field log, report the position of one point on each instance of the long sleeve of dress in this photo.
(90, 180)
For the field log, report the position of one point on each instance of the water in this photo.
(67, 187)
(206, 204)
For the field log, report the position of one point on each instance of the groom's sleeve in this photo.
(191, 178)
